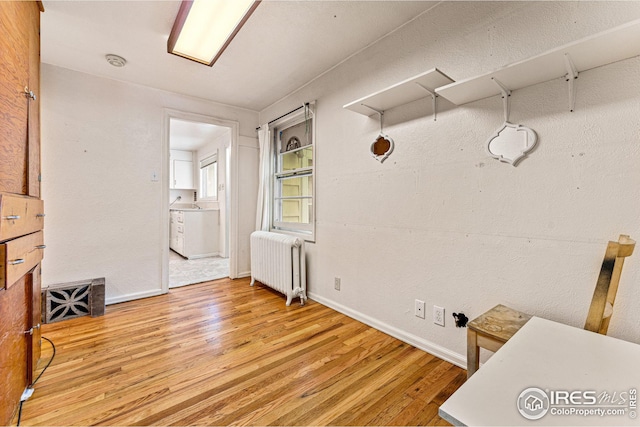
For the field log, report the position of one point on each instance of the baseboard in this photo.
(244, 274)
(209, 255)
(131, 297)
(416, 341)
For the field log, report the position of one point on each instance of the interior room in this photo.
(457, 182)
(198, 209)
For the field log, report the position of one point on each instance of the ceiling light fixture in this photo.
(115, 60)
(204, 28)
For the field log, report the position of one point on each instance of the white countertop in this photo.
(553, 358)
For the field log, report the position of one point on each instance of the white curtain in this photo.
(264, 188)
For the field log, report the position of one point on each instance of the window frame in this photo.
(204, 163)
(304, 231)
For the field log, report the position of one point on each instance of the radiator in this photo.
(277, 261)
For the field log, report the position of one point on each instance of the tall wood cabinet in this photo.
(21, 209)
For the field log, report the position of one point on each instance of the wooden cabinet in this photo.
(19, 256)
(21, 210)
(19, 76)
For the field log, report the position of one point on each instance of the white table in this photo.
(553, 358)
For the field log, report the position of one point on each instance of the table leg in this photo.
(473, 353)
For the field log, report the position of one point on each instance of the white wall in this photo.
(101, 143)
(218, 146)
(442, 222)
(247, 155)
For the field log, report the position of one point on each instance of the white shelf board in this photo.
(400, 93)
(604, 48)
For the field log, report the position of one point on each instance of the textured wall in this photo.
(441, 221)
(218, 146)
(102, 139)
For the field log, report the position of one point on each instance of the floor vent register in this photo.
(70, 300)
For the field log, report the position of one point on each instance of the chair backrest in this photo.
(607, 286)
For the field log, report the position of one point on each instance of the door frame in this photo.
(231, 191)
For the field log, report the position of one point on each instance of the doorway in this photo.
(197, 201)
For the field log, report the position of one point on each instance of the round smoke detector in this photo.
(115, 60)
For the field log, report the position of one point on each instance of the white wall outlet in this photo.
(438, 315)
(336, 283)
(419, 309)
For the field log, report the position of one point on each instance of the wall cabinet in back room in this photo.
(181, 170)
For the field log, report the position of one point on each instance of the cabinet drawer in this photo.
(19, 215)
(18, 256)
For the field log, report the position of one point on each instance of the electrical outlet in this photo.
(419, 309)
(438, 315)
(336, 283)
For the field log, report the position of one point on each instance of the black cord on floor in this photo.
(36, 380)
(48, 363)
(20, 413)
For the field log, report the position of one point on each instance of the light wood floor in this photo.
(225, 353)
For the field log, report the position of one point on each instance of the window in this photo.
(209, 178)
(293, 181)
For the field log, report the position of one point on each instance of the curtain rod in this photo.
(286, 114)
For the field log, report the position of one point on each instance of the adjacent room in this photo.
(319, 212)
(197, 212)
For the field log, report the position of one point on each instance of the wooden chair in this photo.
(494, 328)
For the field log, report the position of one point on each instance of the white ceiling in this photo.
(190, 136)
(283, 45)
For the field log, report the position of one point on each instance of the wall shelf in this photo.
(600, 49)
(417, 87)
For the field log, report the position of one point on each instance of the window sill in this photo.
(307, 237)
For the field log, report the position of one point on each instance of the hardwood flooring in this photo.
(222, 353)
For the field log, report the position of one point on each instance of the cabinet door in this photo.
(13, 347)
(35, 310)
(172, 230)
(14, 77)
(183, 174)
(33, 132)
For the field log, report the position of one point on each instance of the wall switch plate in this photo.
(419, 309)
(336, 283)
(438, 315)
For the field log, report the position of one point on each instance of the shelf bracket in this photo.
(373, 109)
(506, 94)
(380, 114)
(434, 98)
(572, 75)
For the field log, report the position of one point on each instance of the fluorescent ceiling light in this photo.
(204, 28)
